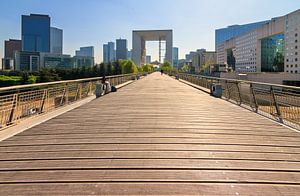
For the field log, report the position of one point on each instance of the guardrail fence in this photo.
(18, 102)
(279, 102)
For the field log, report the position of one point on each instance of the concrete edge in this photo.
(38, 119)
(195, 86)
(241, 106)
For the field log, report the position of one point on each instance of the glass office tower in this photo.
(36, 33)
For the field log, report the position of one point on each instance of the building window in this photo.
(291, 71)
(287, 66)
(296, 34)
(296, 53)
(287, 60)
(296, 41)
(296, 47)
(296, 71)
(296, 65)
(296, 59)
(291, 66)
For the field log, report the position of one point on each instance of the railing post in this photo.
(67, 93)
(63, 95)
(276, 105)
(90, 88)
(239, 92)
(45, 95)
(254, 98)
(80, 91)
(228, 91)
(13, 108)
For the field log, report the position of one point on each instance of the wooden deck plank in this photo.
(154, 136)
(149, 164)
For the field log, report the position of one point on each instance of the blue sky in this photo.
(94, 22)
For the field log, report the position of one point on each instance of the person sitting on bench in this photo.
(106, 85)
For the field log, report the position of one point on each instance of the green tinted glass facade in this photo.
(272, 53)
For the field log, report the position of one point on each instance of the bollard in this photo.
(216, 90)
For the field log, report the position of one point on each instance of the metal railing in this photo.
(23, 101)
(279, 102)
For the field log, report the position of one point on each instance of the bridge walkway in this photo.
(154, 136)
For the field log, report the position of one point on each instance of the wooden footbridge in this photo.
(155, 136)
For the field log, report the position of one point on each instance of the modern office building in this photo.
(202, 57)
(109, 52)
(246, 52)
(148, 59)
(223, 34)
(175, 57)
(56, 40)
(10, 46)
(121, 49)
(85, 51)
(27, 61)
(7, 64)
(36, 33)
(188, 57)
(83, 61)
(292, 42)
(129, 55)
(56, 61)
(267, 48)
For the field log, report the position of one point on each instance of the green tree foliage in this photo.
(25, 77)
(166, 67)
(48, 75)
(101, 69)
(109, 69)
(128, 67)
(10, 80)
(140, 69)
(148, 68)
(185, 68)
(117, 68)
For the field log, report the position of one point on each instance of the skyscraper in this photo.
(121, 52)
(36, 33)
(148, 59)
(175, 57)
(109, 52)
(85, 51)
(129, 55)
(56, 40)
(221, 35)
(10, 46)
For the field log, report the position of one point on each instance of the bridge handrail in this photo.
(23, 101)
(26, 86)
(244, 81)
(279, 102)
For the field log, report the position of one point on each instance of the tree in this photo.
(128, 67)
(185, 68)
(101, 69)
(25, 77)
(148, 68)
(166, 66)
(117, 68)
(108, 70)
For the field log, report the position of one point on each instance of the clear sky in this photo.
(94, 22)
